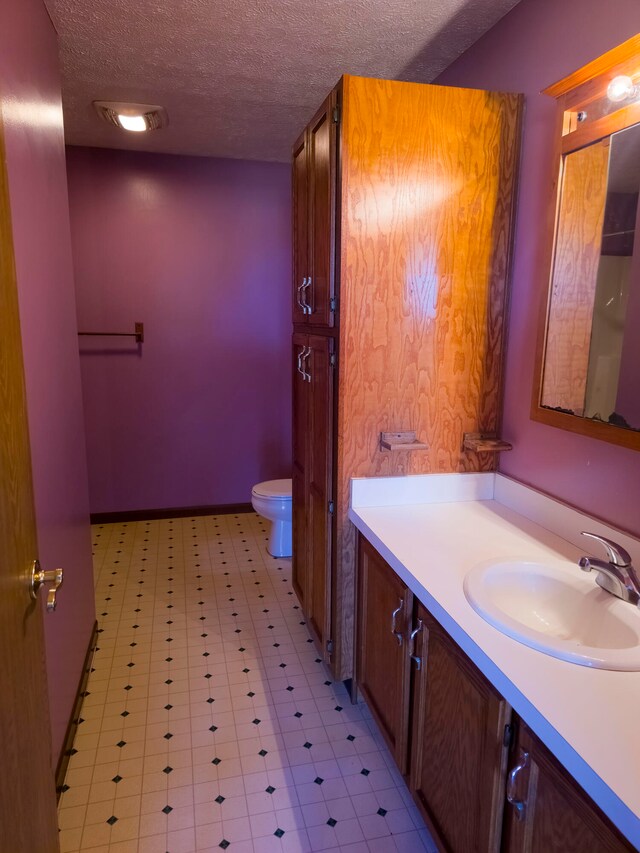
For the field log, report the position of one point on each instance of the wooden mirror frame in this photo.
(575, 93)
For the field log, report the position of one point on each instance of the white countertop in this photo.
(432, 529)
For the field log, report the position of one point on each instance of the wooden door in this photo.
(300, 540)
(551, 813)
(322, 192)
(319, 484)
(458, 753)
(27, 792)
(300, 222)
(382, 662)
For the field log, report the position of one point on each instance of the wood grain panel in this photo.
(300, 473)
(427, 193)
(27, 793)
(575, 272)
(458, 753)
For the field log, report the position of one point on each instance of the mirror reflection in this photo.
(592, 354)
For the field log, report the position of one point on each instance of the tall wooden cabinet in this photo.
(403, 199)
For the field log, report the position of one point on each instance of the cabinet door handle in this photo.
(412, 645)
(519, 805)
(300, 291)
(305, 356)
(397, 634)
(305, 284)
(300, 362)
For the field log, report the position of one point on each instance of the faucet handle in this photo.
(616, 554)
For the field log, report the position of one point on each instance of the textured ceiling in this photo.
(241, 78)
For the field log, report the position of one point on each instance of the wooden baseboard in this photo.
(72, 727)
(171, 512)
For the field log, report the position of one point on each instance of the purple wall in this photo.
(199, 250)
(32, 114)
(537, 43)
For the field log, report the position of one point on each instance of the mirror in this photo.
(592, 357)
(588, 351)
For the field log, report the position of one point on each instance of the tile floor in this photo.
(210, 723)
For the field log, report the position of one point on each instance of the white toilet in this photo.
(272, 500)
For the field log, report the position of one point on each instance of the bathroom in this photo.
(198, 248)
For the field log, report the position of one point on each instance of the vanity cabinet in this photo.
(403, 199)
(547, 811)
(482, 781)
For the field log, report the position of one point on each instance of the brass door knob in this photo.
(40, 577)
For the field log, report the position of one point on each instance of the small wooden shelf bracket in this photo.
(484, 442)
(404, 440)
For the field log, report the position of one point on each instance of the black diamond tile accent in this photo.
(318, 780)
(168, 707)
(276, 645)
(210, 701)
(213, 728)
(279, 832)
(382, 812)
(113, 819)
(283, 666)
(350, 737)
(124, 714)
(128, 687)
(242, 649)
(216, 761)
(263, 752)
(338, 708)
(327, 684)
(245, 670)
(208, 675)
(256, 721)
(297, 714)
(167, 809)
(130, 664)
(64, 788)
(117, 779)
(364, 772)
(121, 743)
(270, 789)
(168, 736)
(167, 769)
(307, 745)
(219, 799)
(332, 821)
(251, 694)
(290, 689)
(169, 681)
(224, 844)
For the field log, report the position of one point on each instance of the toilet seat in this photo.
(276, 489)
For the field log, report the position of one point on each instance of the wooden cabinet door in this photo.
(313, 391)
(300, 559)
(300, 222)
(458, 752)
(548, 812)
(319, 462)
(384, 608)
(322, 193)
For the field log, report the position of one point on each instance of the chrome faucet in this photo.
(618, 575)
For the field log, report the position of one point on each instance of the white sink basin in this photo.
(558, 610)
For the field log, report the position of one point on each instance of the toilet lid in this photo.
(273, 489)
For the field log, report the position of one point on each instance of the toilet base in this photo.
(280, 539)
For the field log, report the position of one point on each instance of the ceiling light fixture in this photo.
(132, 117)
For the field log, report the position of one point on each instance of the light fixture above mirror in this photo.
(588, 356)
